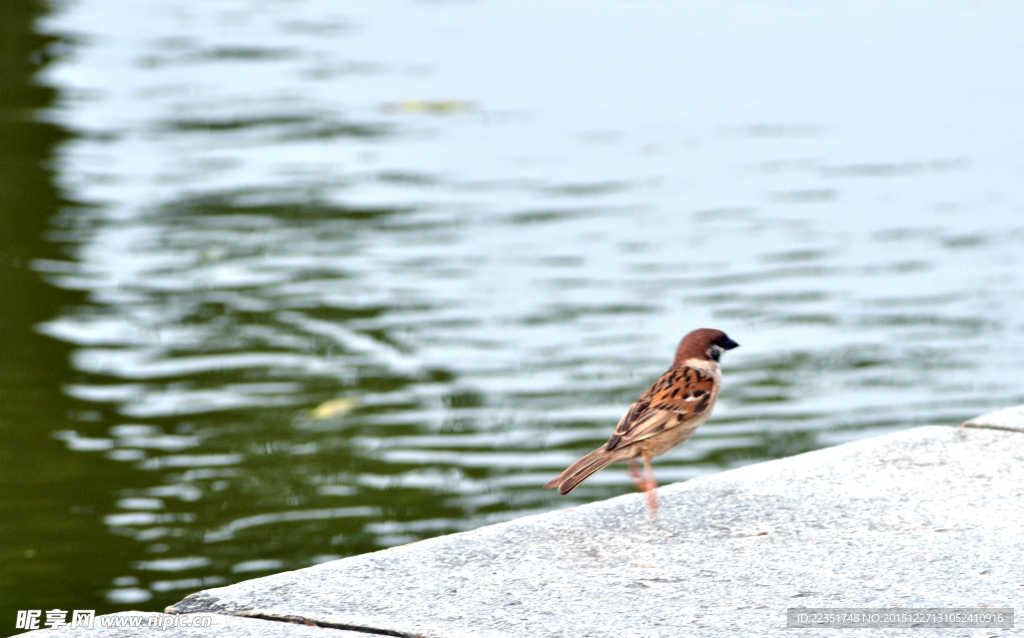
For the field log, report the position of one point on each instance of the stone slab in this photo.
(151, 624)
(1011, 419)
(929, 517)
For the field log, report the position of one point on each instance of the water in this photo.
(309, 279)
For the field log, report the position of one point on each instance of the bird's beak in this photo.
(729, 344)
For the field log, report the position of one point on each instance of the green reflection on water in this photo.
(53, 550)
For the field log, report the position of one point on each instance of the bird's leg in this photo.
(650, 487)
(634, 473)
(650, 482)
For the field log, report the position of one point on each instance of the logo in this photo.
(55, 618)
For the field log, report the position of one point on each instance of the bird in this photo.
(664, 416)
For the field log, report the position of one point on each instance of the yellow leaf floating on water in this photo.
(334, 407)
(437, 107)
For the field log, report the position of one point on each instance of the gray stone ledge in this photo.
(1010, 419)
(929, 517)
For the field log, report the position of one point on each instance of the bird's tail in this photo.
(582, 469)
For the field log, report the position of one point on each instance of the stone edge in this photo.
(1009, 419)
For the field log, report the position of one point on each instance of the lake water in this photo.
(303, 279)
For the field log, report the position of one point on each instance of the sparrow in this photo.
(664, 416)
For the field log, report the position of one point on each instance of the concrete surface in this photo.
(1011, 419)
(930, 517)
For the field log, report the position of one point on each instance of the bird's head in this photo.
(704, 344)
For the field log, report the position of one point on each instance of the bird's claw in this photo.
(652, 501)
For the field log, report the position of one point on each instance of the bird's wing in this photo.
(678, 396)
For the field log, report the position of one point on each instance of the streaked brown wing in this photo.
(679, 395)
